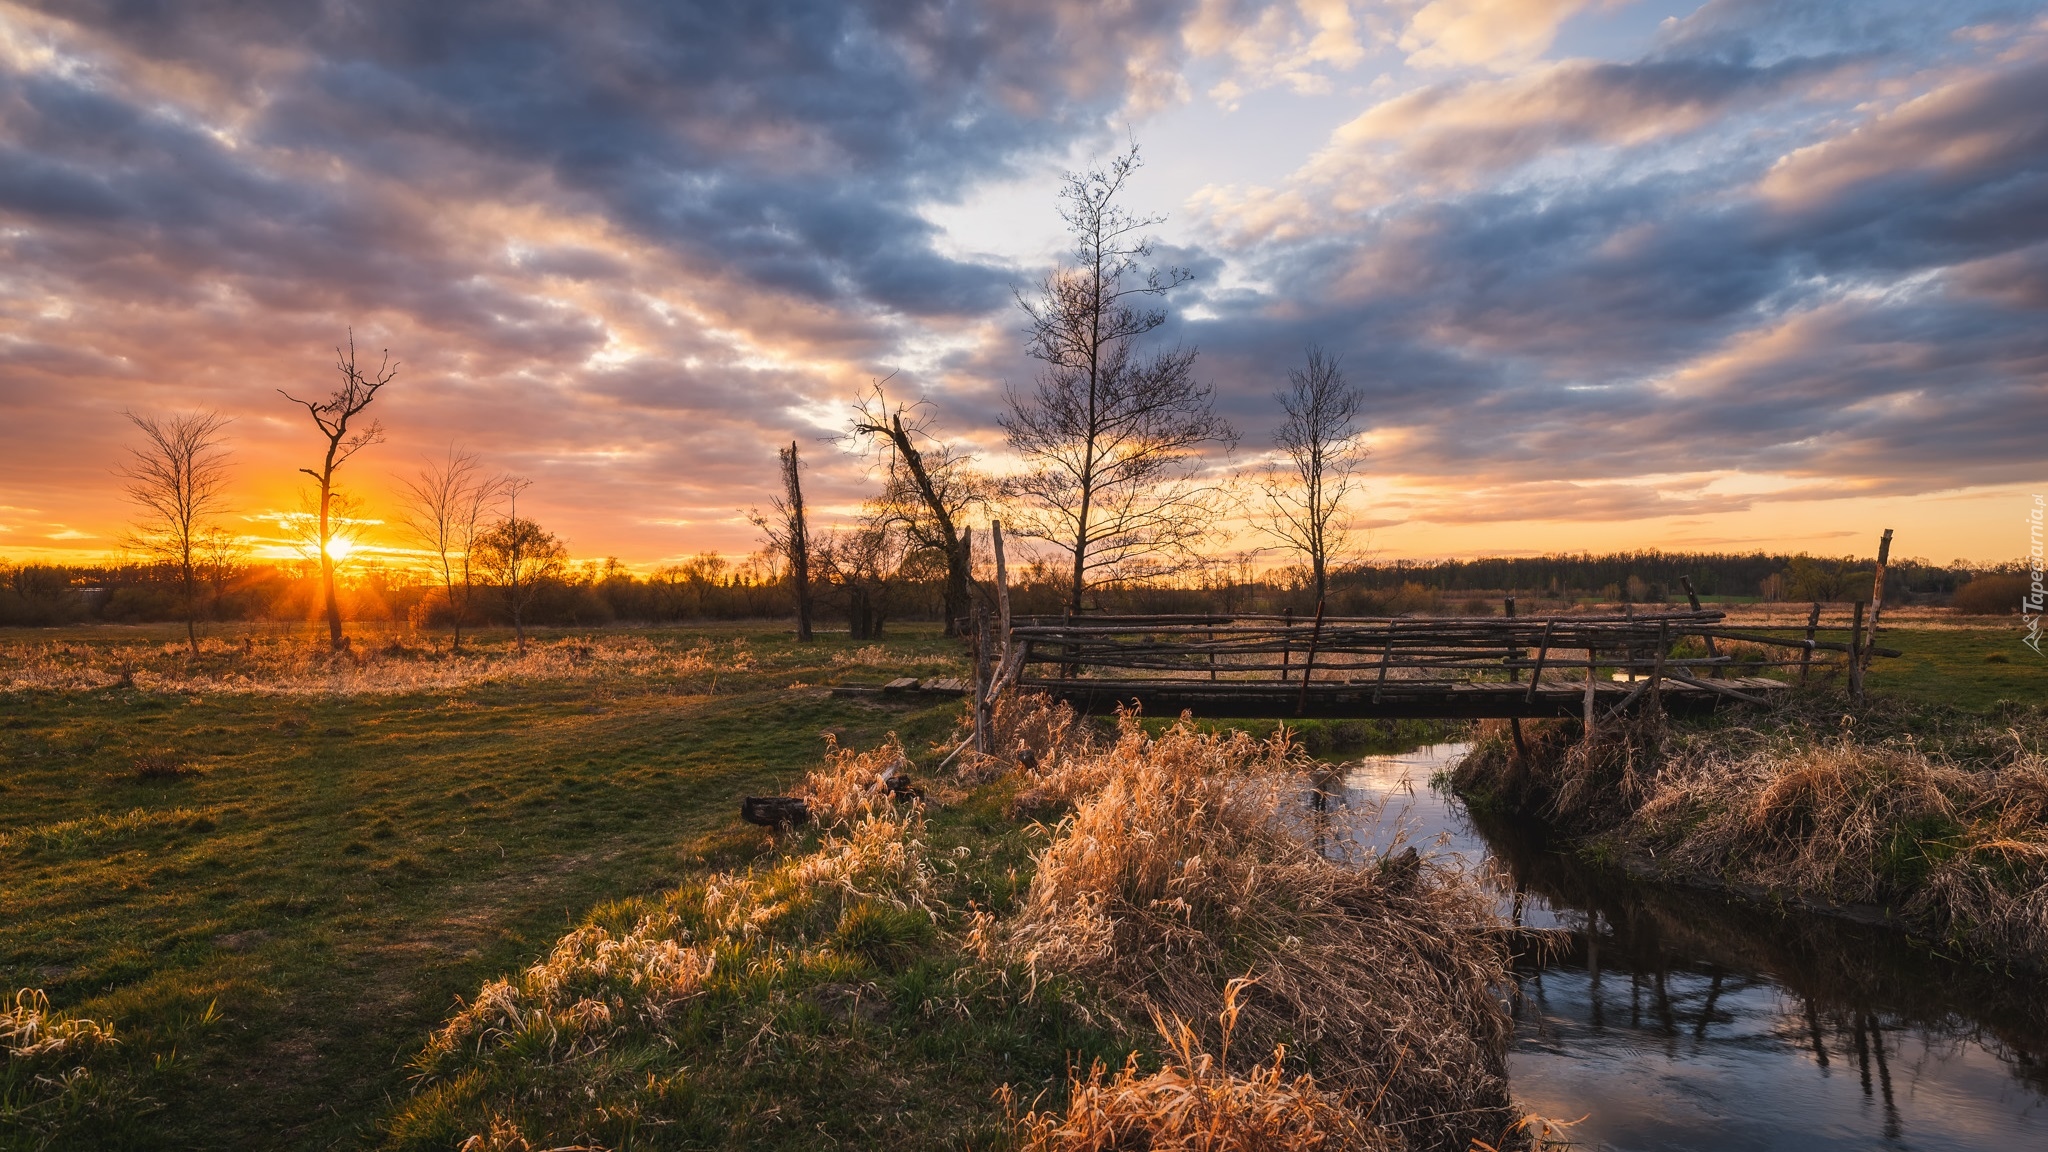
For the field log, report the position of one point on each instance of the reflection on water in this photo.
(1680, 1020)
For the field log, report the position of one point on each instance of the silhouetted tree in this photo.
(1304, 498)
(178, 478)
(788, 533)
(927, 489)
(518, 557)
(444, 507)
(1112, 435)
(332, 417)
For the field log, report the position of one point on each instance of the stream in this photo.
(1680, 1019)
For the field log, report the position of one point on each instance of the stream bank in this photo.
(1683, 1019)
(1932, 819)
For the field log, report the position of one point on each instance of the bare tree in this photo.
(788, 532)
(1304, 496)
(444, 507)
(223, 555)
(864, 565)
(332, 417)
(519, 557)
(1113, 435)
(928, 489)
(178, 478)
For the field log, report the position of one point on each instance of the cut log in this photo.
(775, 811)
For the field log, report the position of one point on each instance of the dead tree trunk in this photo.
(799, 541)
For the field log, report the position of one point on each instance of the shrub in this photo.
(1995, 595)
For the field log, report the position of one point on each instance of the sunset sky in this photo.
(1612, 273)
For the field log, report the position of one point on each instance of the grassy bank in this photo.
(1167, 965)
(1929, 817)
(270, 872)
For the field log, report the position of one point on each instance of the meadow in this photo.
(276, 873)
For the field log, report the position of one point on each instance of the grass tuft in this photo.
(1193, 1103)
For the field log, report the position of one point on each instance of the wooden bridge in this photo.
(1407, 667)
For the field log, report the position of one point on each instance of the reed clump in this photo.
(1192, 1103)
(1186, 865)
(1940, 818)
(47, 1072)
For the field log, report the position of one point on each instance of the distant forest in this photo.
(712, 587)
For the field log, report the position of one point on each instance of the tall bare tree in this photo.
(1304, 496)
(927, 491)
(178, 479)
(519, 557)
(1113, 435)
(444, 507)
(788, 532)
(332, 417)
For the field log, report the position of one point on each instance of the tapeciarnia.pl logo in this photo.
(2037, 567)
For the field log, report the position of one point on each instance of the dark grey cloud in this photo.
(790, 142)
(1860, 299)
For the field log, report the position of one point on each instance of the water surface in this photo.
(1680, 1020)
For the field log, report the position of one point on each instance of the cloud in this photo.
(1501, 34)
(1645, 275)
(630, 248)
(625, 250)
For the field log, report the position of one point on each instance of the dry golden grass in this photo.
(596, 985)
(1184, 866)
(1943, 826)
(1195, 1104)
(282, 667)
(851, 783)
(883, 656)
(30, 1030)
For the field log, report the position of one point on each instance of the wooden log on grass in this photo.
(775, 811)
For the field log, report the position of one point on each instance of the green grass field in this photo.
(1971, 669)
(275, 897)
(274, 932)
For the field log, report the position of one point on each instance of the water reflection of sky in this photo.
(1662, 1047)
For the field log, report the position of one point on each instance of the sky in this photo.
(1611, 274)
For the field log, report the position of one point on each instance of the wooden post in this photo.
(1693, 598)
(984, 737)
(1806, 657)
(1386, 657)
(995, 539)
(1884, 553)
(1592, 672)
(1542, 654)
(1657, 666)
(1514, 673)
(1287, 645)
(1308, 667)
(1212, 653)
(1856, 655)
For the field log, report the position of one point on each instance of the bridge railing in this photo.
(1685, 645)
